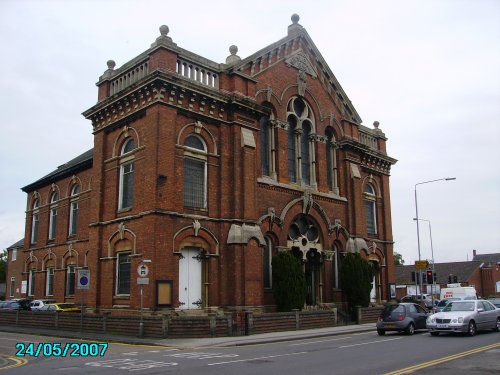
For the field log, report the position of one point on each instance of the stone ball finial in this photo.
(233, 50)
(295, 18)
(111, 64)
(164, 30)
(376, 124)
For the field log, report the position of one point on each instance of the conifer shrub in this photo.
(356, 275)
(289, 283)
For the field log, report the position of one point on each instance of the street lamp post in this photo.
(433, 285)
(419, 279)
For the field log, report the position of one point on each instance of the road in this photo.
(360, 353)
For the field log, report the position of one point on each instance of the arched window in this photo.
(195, 172)
(73, 209)
(53, 215)
(123, 262)
(126, 189)
(49, 281)
(301, 161)
(292, 146)
(370, 208)
(267, 263)
(34, 220)
(31, 282)
(304, 153)
(331, 162)
(265, 150)
(70, 279)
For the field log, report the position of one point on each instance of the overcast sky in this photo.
(428, 71)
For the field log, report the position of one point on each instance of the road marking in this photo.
(411, 369)
(320, 341)
(201, 355)
(17, 362)
(130, 364)
(255, 359)
(369, 342)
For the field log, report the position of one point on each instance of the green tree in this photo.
(289, 283)
(356, 276)
(398, 259)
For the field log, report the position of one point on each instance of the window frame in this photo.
(12, 286)
(74, 206)
(53, 216)
(126, 175)
(70, 280)
(49, 281)
(195, 156)
(267, 266)
(301, 145)
(370, 204)
(118, 276)
(31, 282)
(35, 219)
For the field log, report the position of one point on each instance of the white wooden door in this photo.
(190, 279)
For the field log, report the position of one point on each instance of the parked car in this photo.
(426, 299)
(441, 304)
(406, 317)
(24, 303)
(495, 301)
(465, 316)
(39, 303)
(61, 307)
(11, 305)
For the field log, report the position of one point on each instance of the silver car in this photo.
(465, 317)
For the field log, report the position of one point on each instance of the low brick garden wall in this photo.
(168, 326)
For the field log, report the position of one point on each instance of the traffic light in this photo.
(430, 277)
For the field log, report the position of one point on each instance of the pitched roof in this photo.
(17, 245)
(463, 271)
(69, 168)
(297, 32)
(488, 258)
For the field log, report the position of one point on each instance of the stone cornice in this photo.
(370, 159)
(166, 88)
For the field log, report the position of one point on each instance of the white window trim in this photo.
(34, 227)
(199, 155)
(31, 289)
(12, 286)
(72, 217)
(50, 272)
(120, 189)
(372, 198)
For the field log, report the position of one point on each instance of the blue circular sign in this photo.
(84, 280)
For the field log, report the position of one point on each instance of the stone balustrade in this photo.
(129, 77)
(197, 73)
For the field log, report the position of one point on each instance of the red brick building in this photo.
(200, 172)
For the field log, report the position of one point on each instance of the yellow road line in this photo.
(17, 362)
(409, 370)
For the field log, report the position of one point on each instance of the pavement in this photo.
(191, 343)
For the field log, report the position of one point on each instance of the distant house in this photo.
(15, 270)
(490, 269)
(483, 272)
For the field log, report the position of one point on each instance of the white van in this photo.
(461, 292)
